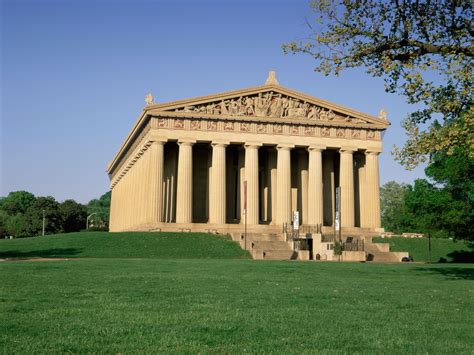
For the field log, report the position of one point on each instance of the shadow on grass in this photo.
(456, 273)
(461, 256)
(46, 253)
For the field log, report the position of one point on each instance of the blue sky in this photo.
(74, 75)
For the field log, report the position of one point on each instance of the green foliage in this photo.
(338, 248)
(17, 202)
(16, 225)
(455, 174)
(47, 207)
(101, 208)
(429, 206)
(234, 306)
(422, 49)
(442, 207)
(392, 206)
(73, 215)
(21, 214)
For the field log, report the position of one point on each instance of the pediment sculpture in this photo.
(268, 104)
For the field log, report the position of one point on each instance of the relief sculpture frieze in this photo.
(268, 104)
(268, 128)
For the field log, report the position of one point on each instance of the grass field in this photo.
(123, 245)
(449, 250)
(227, 305)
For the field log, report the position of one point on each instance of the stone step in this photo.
(264, 236)
(386, 257)
(279, 255)
(270, 245)
(255, 238)
(377, 247)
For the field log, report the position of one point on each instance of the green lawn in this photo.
(234, 306)
(449, 250)
(133, 292)
(124, 245)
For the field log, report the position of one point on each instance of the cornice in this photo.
(298, 121)
(263, 88)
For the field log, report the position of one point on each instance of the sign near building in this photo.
(296, 220)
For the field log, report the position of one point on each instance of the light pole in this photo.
(44, 221)
(87, 220)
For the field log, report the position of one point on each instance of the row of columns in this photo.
(367, 176)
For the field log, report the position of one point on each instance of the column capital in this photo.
(285, 146)
(186, 141)
(156, 135)
(159, 140)
(373, 151)
(252, 145)
(218, 143)
(349, 150)
(316, 148)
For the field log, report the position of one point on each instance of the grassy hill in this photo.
(234, 306)
(189, 293)
(124, 245)
(441, 249)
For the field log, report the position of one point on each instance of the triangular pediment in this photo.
(268, 101)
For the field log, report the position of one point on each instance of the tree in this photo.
(73, 216)
(423, 49)
(12, 225)
(392, 201)
(101, 208)
(16, 225)
(17, 202)
(430, 208)
(34, 216)
(454, 173)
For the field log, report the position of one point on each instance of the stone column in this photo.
(155, 182)
(133, 194)
(251, 176)
(284, 184)
(315, 185)
(113, 210)
(372, 188)
(141, 206)
(272, 161)
(346, 183)
(217, 196)
(184, 197)
(360, 174)
(328, 189)
(240, 183)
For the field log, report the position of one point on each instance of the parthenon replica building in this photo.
(184, 164)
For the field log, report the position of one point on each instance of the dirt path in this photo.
(35, 259)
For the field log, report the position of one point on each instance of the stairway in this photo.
(273, 246)
(380, 252)
(267, 246)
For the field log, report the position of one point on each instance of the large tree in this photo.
(73, 216)
(101, 209)
(34, 217)
(17, 202)
(423, 49)
(454, 172)
(441, 205)
(392, 205)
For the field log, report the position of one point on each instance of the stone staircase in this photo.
(380, 252)
(266, 246)
(273, 246)
(272, 250)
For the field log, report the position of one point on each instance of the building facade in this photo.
(251, 156)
